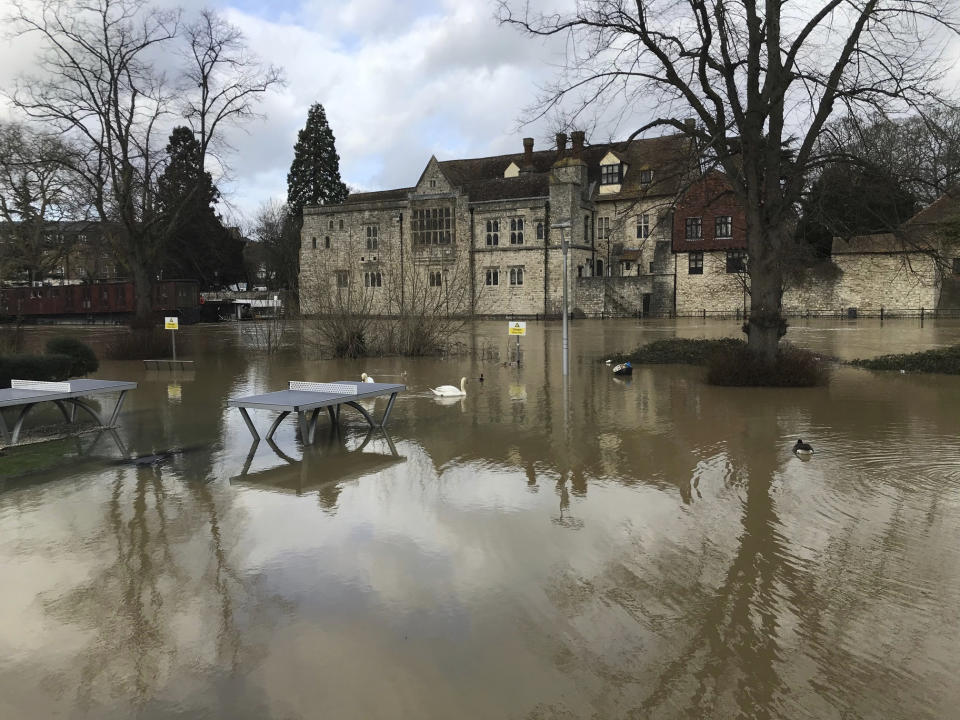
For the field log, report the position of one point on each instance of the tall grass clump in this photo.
(144, 344)
(736, 366)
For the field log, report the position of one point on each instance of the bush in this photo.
(84, 359)
(34, 367)
(144, 344)
(943, 360)
(793, 367)
(678, 351)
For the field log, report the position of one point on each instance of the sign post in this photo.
(561, 226)
(172, 323)
(519, 329)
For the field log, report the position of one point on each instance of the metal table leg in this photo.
(250, 427)
(362, 411)
(4, 433)
(15, 435)
(276, 424)
(313, 423)
(68, 415)
(386, 413)
(116, 409)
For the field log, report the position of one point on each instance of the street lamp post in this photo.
(562, 226)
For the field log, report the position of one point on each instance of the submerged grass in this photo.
(942, 360)
(678, 351)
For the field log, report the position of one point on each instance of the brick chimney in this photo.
(561, 144)
(577, 137)
(527, 156)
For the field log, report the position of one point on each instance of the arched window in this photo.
(326, 240)
(341, 223)
(516, 276)
(314, 243)
(539, 231)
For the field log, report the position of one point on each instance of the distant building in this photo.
(64, 253)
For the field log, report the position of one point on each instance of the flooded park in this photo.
(642, 547)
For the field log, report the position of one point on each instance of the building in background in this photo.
(484, 236)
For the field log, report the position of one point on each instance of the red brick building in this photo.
(709, 245)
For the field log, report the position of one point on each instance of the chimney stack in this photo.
(561, 144)
(528, 151)
(577, 137)
(690, 123)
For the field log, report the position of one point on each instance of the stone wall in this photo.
(715, 291)
(612, 296)
(894, 281)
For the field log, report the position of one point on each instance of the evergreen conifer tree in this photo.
(196, 245)
(314, 177)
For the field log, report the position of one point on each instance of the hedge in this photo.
(34, 367)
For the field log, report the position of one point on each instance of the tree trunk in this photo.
(765, 325)
(143, 293)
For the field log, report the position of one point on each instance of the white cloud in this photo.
(399, 81)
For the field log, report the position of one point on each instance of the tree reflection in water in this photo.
(142, 605)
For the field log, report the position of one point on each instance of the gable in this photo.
(432, 181)
(610, 159)
(512, 170)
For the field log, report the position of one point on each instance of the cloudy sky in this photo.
(400, 80)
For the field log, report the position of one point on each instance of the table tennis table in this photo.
(26, 394)
(311, 397)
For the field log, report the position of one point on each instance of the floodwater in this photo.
(647, 548)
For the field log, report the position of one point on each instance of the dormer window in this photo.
(611, 174)
(646, 177)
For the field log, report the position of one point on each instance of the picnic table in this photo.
(311, 397)
(67, 396)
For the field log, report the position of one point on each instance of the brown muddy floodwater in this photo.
(647, 548)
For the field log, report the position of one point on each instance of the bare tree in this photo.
(762, 81)
(99, 85)
(223, 78)
(37, 193)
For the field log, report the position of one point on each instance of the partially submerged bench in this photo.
(67, 395)
(311, 397)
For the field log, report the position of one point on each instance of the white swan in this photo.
(366, 378)
(450, 390)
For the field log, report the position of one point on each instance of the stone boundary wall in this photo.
(611, 296)
(865, 281)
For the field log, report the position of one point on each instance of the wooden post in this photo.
(921, 316)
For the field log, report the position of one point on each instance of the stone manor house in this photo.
(485, 235)
(648, 233)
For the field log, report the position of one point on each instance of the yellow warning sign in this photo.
(516, 328)
(171, 323)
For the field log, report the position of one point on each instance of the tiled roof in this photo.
(523, 186)
(669, 157)
(377, 196)
(945, 209)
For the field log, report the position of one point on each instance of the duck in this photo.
(450, 390)
(366, 378)
(802, 449)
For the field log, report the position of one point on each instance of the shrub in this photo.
(84, 359)
(144, 344)
(34, 367)
(942, 360)
(793, 367)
